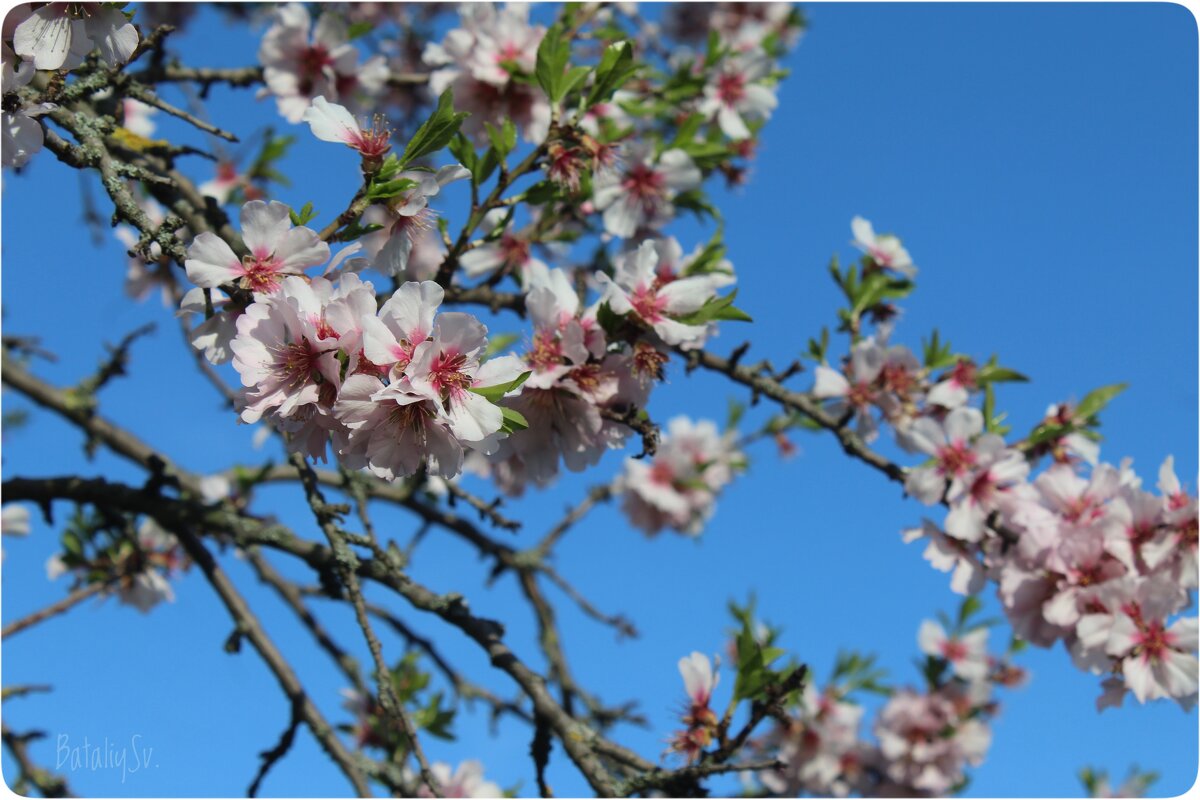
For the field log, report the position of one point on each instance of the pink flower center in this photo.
(586, 377)
(644, 183)
(411, 417)
(1154, 641)
(964, 374)
(515, 250)
(296, 364)
(731, 88)
(954, 650)
(861, 395)
(546, 352)
(647, 360)
(956, 458)
(511, 51)
(648, 305)
(447, 375)
(896, 378)
(260, 273)
(1083, 509)
(374, 141)
(313, 61)
(662, 473)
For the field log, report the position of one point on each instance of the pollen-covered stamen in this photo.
(295, 364)
(375, 141)
(413, 225)
(861, 395)
(586, 377)
(1089, 574)
(412, 417)
(564, 165)
(260, 273)
(647, 360)
(546, 352)
(955, 458)
(447, 374)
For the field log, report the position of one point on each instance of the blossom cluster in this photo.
(923, 738)
(391, 388)
(1080, 552)
(302, 60)
(678, 488)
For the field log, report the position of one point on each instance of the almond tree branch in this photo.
(54, 609)
(47, 783)
(347, 564)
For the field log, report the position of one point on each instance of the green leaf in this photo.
(971, 605)
(462, 150)
(304, 216)
(498, 342)
(553, 71)
(71, 543)
(358, 29)
(936, 353)
(435, 132)
(1095, 401)
(718, 308)
(488, 164)
(736, 411)
(498, 140)
(389, 189)
(513, 420)
(992, 372)
(696, 201)
(354, 231)
(494, 393)
(615, 68)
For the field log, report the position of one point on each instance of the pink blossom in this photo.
(60, 35)
(466, 781)
(735, 93)
(509, 251)
(301, 61)
(475, 60)
(277, 249)
(639, 194)
(966, 654)
(884, 249)
(635, 288)
(407, 217)
(331, 122)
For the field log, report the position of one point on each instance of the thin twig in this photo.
(54, 609)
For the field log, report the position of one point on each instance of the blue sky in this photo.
(1039, 162)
